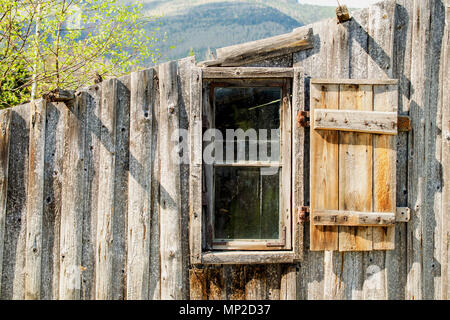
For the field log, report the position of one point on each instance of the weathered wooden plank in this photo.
(355, 169)
(356, 121)
(249, 257)
(140, 184)
(105, 206)
(235, 282)
(197, 284)
(445, 105)
(122, 163)
(288, 287)
(73, 199)
(195, 213)
(15, 224)
(89, 236)
(417, 180)
(51, 224)
(241, 54)
(255, 283)
(298, 162)
(170, 206)
(216, 283)
(352, 218)
(35, 205)
(384, 168)
(246, 72)
(324, 169)
(273, 281)
(355, 81)
(184, 79)
(5, 121)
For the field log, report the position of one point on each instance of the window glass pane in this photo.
(246, 203)
(256, 111)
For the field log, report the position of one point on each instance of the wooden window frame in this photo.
(256, 251)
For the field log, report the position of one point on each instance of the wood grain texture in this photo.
(196, 158)
(140, 185)
(13, 282)
(73, 199)
(255, 51)
(353, 218)
(33, 253)
(169, 199)
(5, 123)
(356, 121)
(324, 169)
(246, 72)
(105, 206)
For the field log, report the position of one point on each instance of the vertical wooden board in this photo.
(417, 179)
(298, 155)
(445, 105)
(89, 236)
(73, 199)
(288, 287)
(54, 149)
(15, 224)
(155, 255)
(195, 122)
(215, 283)
(105, 207)
(139, 187)
(255, 282)
(35, 205)
(384, 169)
(122, 164)
(184, 79)
(5, 121)
(197, 284)
(170, 206)
(273, 281)
(396, 270)
(355, 169)
(324, 169)
(235, 282)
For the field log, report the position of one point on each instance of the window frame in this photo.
(201, 252)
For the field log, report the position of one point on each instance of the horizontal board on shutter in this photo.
(358, 121)
(353, 218)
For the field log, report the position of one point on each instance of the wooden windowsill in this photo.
(247, 257)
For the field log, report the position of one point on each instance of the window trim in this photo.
(199, 255)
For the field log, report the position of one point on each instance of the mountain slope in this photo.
(210, 24)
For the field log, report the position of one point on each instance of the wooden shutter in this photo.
(353, 164)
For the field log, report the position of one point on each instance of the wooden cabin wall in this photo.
(92, 207)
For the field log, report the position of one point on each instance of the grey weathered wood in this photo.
(355, 81)
(241, 54)
(105, 207)
(298, 162)
(402, 214)
(169, 199)
(35, 205)
(15, 224)
(89, 236)
(140, 185)
(352, 218)
(5, 121)
(196, 157)
(246, 72)
(248, 257)
(357, 121)
(73, 199)
(53, 172)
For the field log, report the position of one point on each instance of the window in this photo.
(241, 186)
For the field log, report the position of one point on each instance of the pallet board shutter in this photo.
(353, 164)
